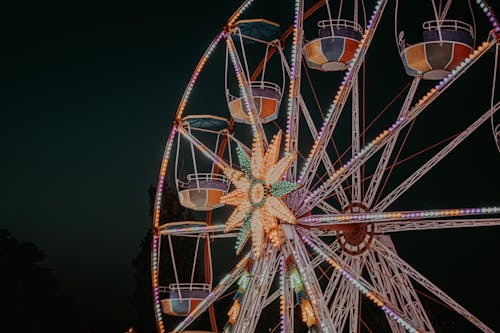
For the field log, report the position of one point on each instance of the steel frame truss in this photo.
(405, 268)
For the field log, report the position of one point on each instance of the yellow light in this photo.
(234, 311)
(307, 313)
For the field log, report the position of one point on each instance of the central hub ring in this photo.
(257, 193)
(356, 238)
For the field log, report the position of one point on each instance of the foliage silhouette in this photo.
(30, 296)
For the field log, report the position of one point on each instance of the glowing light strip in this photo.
(249, 105)
(163, 171)
(161, 179)
(209, 297)
(204, 150)
(365, 291)
(483, 5)
(491, 17)
(311, 296)
(238, 12)
(154, 277)
(156, 222)
(282, 294)
(345, 85)
(404, 215)
(196, 74)
(293, 69)
(404, 120)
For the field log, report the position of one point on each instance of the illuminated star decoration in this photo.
(258, 194)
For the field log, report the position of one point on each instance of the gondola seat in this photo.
(267, 99)
(333, 52)
(437, 56)
(202, 191)
(183, 298)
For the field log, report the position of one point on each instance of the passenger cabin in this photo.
(335, 46)
(267, 99)
(183, 298)
(202, 189)
(446, 43)
(266, 94)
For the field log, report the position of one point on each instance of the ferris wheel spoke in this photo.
(216, 293)
(335, 279)
(391, 256)
(261, 278)
(295, 249)
(339, 190)
(389, 147)
(214, 231)
(410, 181)
(332, 221)
(214, 157)
(327, 208)
(245, 90)
(396, 286)
(345, 304)
(292, 121)
(381, 140)
(286, 299)
(312, 163)
(397, 226)
(355, 145)
(239, 143)
(315, 262)
(357, 281)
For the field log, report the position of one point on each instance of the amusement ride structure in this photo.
(282, 220)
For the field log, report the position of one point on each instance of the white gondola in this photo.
(446, 43)
(267, 95)
(180, 298)
(201, 191)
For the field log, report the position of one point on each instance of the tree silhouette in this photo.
(30, 299)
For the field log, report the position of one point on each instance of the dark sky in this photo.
(89, 90)
(88, 94)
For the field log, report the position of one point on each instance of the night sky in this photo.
(89, 90)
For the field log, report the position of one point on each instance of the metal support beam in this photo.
(292, 127)
(356, 174)
(405, 185)
(416, 276)
(380, 141)
(261, 278)
(397, 226)
(396, 286)
(389, 147)
(309, 170)
(295, 249)
(217, 292)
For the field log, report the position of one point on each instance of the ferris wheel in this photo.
(288, 172)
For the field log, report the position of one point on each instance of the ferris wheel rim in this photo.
(181, 109)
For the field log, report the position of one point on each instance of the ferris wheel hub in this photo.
(355, 238)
